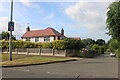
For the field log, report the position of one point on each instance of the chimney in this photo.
(62, 31)
(27, 29)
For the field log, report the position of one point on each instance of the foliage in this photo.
(58, 44)
(47, 45)
(88, 41)
(101, 50)
(95, 47)
(6, 35)
(100, 42)
(20, 44)
(113, 20)
(113, 44)
(73, 43)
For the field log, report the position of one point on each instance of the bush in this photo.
(87, 53)
(67, 43)
(101, 50)
(47, 45)
(95, 47)
(20, 44)
(59, 44)
(73, 44)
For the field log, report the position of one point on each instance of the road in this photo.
(103, 66)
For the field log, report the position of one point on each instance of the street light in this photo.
(11, 28)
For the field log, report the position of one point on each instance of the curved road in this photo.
(103, 66)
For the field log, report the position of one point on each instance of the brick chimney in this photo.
(27, 29)
(62, 31)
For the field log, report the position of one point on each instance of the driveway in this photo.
(103, 66)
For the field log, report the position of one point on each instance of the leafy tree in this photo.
(113, 44)
(5, 35)
(73, 43)
(100, 42)
(113, 20)
(88, 41)
(95, 47)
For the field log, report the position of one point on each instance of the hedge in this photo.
(20, 44)
(57, 44)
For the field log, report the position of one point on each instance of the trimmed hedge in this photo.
(57, 44)
(20, 44)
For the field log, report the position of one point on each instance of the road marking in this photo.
(22, 70)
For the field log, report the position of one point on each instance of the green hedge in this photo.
(20, 44)
(57, 44)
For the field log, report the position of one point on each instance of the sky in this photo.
(84, 19)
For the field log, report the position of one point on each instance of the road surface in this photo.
(103, 66)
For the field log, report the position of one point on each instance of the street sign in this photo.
(10, 26)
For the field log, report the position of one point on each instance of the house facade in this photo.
(45, 35)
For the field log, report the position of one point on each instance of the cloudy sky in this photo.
(85, 19)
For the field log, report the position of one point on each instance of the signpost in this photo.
(11, 28)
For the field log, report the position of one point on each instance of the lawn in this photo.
(5, 57)
(29, 60)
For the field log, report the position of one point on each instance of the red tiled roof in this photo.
(77, 38)
(45, 32)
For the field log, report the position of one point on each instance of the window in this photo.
(37, 39)
(27, 39)
(47, 39)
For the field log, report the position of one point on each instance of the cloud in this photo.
(19, 29)
(28, 3)
(91, 15)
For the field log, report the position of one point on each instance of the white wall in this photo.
(32, 39)
(56, 37)
(51, 38)
(41, 39)
(24, 39)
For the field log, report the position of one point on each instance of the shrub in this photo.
(73, 44)
(95, 47)
(20, 44)
(47, 45)
(59, 44)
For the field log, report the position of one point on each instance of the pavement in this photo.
(102, 66)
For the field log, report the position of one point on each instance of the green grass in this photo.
(5, 57)
(31, 60)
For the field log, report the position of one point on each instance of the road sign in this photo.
(10, 26)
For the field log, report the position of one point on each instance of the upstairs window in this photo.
(47, 39)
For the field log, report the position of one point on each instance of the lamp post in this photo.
(11, 28)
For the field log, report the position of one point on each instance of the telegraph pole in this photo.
(11, 28)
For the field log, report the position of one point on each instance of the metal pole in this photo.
(10, 42)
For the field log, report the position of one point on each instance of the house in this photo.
(45, 35)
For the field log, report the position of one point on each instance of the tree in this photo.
(95, 47)
(113, 44)
(88, 41)
(113, 20)
(5, 36)
(73, 44)
(100, 42)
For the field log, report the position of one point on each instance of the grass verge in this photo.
(31, 60)
(5, 57)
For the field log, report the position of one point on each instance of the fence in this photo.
(53, 52)
(37, 51)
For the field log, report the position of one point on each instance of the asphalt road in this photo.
(103, 66)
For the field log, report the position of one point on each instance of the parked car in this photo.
(112, 54)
